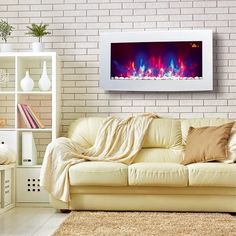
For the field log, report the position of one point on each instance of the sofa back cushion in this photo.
(162, 133)
(84, 130)
(162, 143)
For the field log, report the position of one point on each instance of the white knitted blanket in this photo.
(118, 140)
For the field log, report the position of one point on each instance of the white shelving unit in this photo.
(46, 104)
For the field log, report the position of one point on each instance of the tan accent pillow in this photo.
(207, 144)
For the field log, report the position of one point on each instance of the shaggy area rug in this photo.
(147, 223)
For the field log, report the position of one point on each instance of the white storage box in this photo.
(27, 186)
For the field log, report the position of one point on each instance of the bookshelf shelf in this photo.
(34, 130)
(45, 105)
(7, 129)
(35, 92)
(6, 92)
(33, 166)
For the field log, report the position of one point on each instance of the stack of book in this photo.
(32, 121)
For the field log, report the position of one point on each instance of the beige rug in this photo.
(147, 223)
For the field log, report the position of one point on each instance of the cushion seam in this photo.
(99, 171)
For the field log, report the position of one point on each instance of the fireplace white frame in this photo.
(204, 84)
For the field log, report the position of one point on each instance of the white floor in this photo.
(30, 221)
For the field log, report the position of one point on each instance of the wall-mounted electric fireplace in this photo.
(156, 61)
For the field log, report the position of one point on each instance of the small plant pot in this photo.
(6, 47)
(37, 47)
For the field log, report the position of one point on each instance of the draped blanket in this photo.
(118, 140)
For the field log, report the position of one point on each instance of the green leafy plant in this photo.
(38, 31)
(5, 30)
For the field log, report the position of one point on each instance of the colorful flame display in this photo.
(156, 60)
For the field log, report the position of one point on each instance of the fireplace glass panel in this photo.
(180, 60)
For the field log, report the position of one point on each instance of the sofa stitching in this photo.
(110, 171)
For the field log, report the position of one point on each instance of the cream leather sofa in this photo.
(155, 181)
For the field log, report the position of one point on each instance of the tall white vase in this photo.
(44, 82)
(27, 84)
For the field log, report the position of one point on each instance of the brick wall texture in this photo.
(75, 26)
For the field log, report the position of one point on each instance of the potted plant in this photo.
(38, 31)
(5, 32)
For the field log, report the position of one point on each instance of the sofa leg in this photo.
(63, 211)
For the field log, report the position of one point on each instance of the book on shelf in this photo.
(2, 123)
(31, 120)
(35, 117)
(22, 112)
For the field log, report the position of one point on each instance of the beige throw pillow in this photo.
(207, 144)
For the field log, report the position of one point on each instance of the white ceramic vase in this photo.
(44, 82)
(27, 84)
(6, 47)
(37, 47)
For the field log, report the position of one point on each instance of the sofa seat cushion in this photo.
(160, 155)
(158, 174)
(212, 174)
(93, 173)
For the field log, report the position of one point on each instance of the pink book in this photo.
(29, 118)
(24, 116)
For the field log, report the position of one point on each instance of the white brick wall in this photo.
(76, 25)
